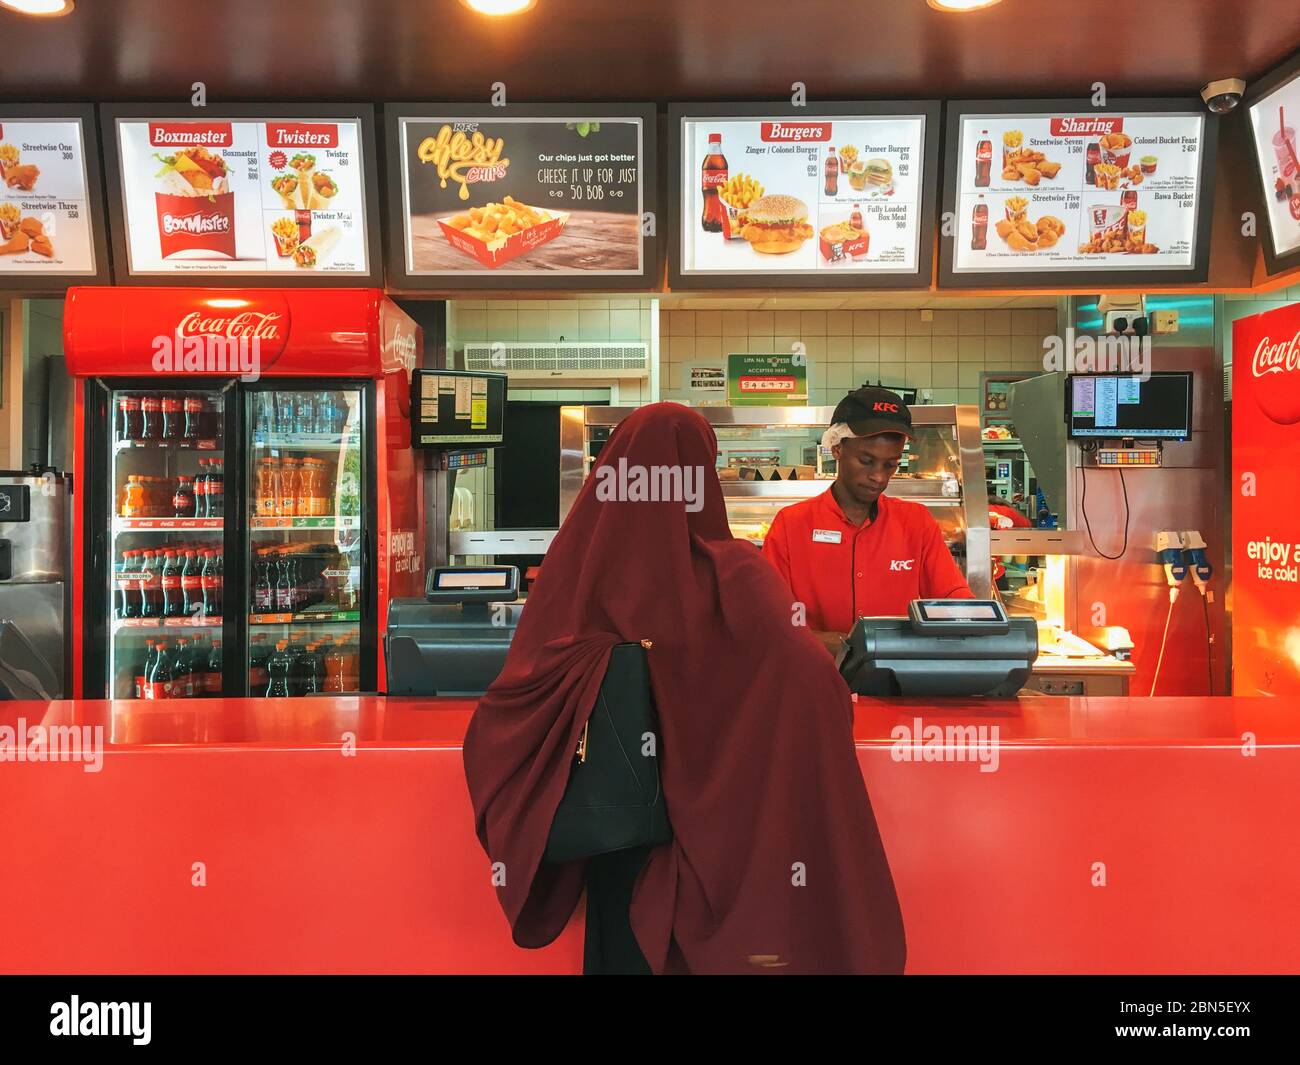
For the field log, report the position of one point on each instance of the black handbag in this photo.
(614, 800)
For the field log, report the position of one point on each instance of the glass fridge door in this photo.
(166, 579)
(305, 534)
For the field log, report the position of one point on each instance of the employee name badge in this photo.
(826, 536)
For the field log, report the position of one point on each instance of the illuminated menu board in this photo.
(51, 213)
(239, 193)
(814, 196)
(1070, 193)
(1274, 118)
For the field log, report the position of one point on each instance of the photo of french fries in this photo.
(1015, 208)
(1023, 234)
(14, 173)
(495, 223)
(736, 195)
(285, 232)
(1024, 164)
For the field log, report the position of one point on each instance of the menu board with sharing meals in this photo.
(250, 196)
(1077, 192)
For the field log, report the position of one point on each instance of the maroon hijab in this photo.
(776, 863)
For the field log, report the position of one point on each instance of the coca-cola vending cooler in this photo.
(250, 500)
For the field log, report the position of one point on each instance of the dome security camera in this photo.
(1223, 95)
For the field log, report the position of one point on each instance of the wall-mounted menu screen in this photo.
(828, 198)
(521, 198)
(239, 194)
(51, 214)
(1274, 119)
(1072, 191)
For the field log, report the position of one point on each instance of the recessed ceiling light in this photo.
(42, 8)
(960, 5)
(498, 7)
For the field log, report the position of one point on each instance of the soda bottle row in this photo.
(286, 414)
(293, 487)
(175, 581)
(303, 665)
(186, 668)
(166, 416)
(199, 496)
(292, 578)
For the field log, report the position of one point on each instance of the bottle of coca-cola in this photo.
(125, 604)
(979, 226)
(128, 418)
(832, 172)
(149, 586)
(212, 678)
(173, 598)
(212, 583)
(150, 418)
(201, 490)
(183, 499)
(158, 683)
(983, 159)
(1094, 157)
(191, 584)
(216, 490)
(183, 671)
(146, 667)
(713, 175)
(172, 417)
(193, 421)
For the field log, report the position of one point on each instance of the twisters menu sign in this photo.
(243, 197)
(1078, 192)
(45, 209)
(821, 195)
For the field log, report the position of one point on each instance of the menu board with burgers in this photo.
(1071, 191)
(46, 223)
(243, 196)
(820, 196)
(1274, 116)
(532, 195)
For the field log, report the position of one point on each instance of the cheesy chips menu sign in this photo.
(45, 223)
(243, 197)
(527, 195)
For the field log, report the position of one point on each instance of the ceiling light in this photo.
(498, 7)
(42, 8)
(957, 6)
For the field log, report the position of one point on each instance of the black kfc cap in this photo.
(869, 411)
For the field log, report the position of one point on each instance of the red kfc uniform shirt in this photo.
(841, 571)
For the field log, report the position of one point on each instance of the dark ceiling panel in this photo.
(637, 49)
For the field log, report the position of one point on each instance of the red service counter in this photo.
(334, 835)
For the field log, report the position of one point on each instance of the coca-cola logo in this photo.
(247, 325)
(1276, 369)
(1091, 126)
(198, 222)
(795, 131)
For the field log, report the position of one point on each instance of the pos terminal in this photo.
(943, 647)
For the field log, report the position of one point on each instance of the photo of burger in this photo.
(777, 225)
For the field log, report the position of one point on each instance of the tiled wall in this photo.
(846, 348)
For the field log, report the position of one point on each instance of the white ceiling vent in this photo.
(545, 360)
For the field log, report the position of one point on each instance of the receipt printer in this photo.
(454, 640)
(942, 647)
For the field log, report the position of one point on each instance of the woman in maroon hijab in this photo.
(776, 864)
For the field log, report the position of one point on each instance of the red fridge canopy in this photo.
(248, 333)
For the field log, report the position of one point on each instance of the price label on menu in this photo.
(1274, 119)
(1077, 192)
(243, 197)
(45, 224)
(815, 195)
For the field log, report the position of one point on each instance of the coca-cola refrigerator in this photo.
(247, 501)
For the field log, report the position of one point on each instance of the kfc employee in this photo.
(853, 551)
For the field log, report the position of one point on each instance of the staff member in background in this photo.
(853, 551)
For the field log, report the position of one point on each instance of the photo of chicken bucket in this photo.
(196, 209)
(1108, 223)
(1116, 148)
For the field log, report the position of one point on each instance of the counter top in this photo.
(416, 722)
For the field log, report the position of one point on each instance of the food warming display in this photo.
(231, 538)
(770, 457)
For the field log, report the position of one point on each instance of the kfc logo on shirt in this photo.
(901, 564)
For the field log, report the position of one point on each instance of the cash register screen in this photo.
(956, 612)
(472, 579)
